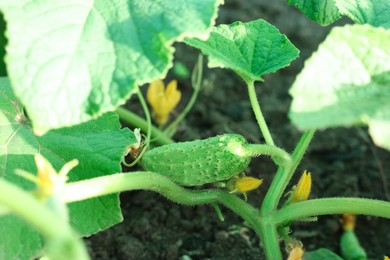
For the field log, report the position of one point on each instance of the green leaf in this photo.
(71, 61)
(323, 12)
(98, 145)
(346, 82)
(3, 42)
(321, 253)
(250, 49)
(18, 240)
(374, 12)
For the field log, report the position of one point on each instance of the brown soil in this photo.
(343, 162)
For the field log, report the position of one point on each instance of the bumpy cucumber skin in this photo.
(199, 162)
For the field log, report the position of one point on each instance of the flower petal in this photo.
(248, 183)
(172, 94)
(155, 93)
(302, 191)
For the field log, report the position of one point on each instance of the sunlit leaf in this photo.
(373, 12)
(346, 82)
(250, 49)
(70, 61)
(98, 145)
(323, 12)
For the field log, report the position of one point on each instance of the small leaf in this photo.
(250, 49)
(373, 12)
(70, 61)
(98, 145)
(346, 82)
(323, 12)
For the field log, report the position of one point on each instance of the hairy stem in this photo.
(270, 241)
(100, 186)
(327, 206)
(284, 174)
(26, 206)
(282, 156)
(130, 118)
(258, 114)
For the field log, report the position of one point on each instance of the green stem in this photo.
(258, 114)
(27, 207)
(86, 189)
(196, 83)
(43, 219)
(148, 131)
(270, 241)
(263, 149)
(327, 206)
(136, 121)
(284, 174)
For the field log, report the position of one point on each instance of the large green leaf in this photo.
(70, 60)
(374, 12)
(98, 145)
(346, 82)
(323, 12)
(18, 240)
(250, 49)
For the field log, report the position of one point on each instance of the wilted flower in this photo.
(135, 148)
(295, 251)
(348, 222)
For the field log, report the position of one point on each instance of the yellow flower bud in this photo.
(302, 190)
(48, 180)
(163, 100)
(245, 184)
(46, 176)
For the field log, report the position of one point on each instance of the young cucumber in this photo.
(198, 162)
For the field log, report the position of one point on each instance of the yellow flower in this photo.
(47, 180)
(163, 100)
(245, 184)
(46, 176)
(302, 190)
(386, 258)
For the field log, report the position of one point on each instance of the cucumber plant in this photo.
(69, 66)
